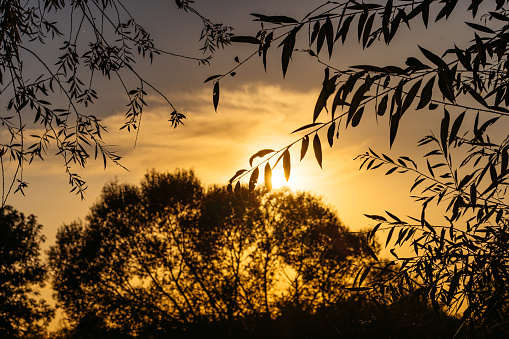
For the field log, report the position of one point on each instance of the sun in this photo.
(279, 180)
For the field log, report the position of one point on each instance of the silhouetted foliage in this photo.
(22, 315)
(169, 255)
(462, 265)
(91, 40)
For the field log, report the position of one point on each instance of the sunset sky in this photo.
(257, 110)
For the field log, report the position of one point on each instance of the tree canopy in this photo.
(168, 254)
(22, 313)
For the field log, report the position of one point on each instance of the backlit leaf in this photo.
(307, 126)
(239, 172)
(260, 154)
(268, 176)
(287, 166)
(253, 179)
(304, 147)
(317, 147)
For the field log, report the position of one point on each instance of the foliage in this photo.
(461, 266)
(21, 271)
(168, 255)
(51, 96)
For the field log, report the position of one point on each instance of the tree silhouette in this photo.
(462, 265)
(169, 255)
(22, 315)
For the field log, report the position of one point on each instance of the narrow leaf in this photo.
(268, 176)
(330, 133)
(260, 154)
(317, 147)
(253, 179)
(304, 147)
(215, 95)
(287, 164)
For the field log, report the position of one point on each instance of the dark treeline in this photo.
(169, 258)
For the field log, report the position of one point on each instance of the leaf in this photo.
(328, 88)
(473, 195)
(239, 172)
(321, 39)
(212, 78)
(389, 236)
(274, 19)
(376, 217)
(268, 176)
(330, 133)
(237, 190)
(445, 86)
(357, 117)
(307, 126)
(382, 106)
(215, 95)
(480, 28)
(426, 93)
(410, 96)
(499, 16)
(329, 32)
(371, 252)
(287, 164)
(317, 147)
(266, 45)
(253, 179)
(444, 131)
(260, 154)
(367, 30)
(304, 147)
(385, 20)
(345, 28)
(316, 29)
(245, 39)
(356, 100)
(362, 20)
(434, 58)
(394, 123)
(288, 46)
(455, 127)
